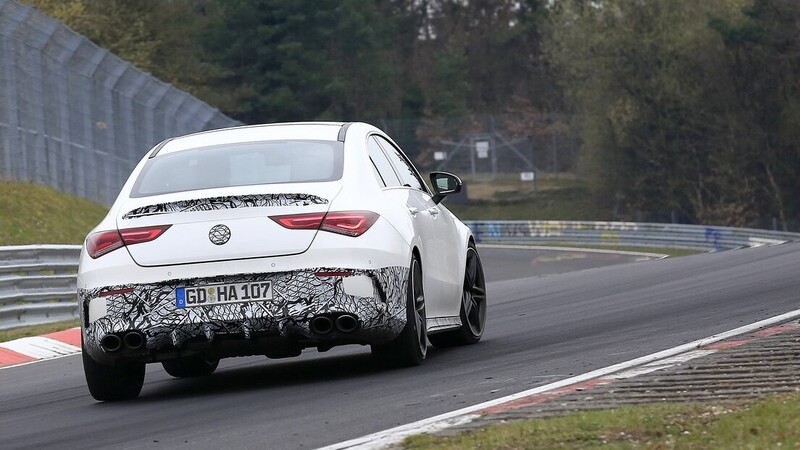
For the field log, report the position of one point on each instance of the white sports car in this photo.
(268, 239)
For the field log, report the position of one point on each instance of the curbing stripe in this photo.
(39, 347)
(71, 336)
(33, 349)
(9, 358)
(385, 438)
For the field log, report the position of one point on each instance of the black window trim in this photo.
(389, 160)
(425, 187)
(378, 172)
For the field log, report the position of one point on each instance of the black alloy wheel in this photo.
(109, 383)
(411, 346)
(473, 306)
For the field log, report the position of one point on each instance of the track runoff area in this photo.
(628, 369)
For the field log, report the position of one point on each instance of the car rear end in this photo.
(231, 243)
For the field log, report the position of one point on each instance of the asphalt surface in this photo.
(541, 328)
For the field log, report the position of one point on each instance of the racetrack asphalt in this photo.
(542, 328)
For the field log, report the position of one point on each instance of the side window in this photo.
(377, 174)
(405, 170)
(385, 170)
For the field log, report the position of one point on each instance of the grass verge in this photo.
(569, 203)
(34, 214)
(36, 330)
(768, 423)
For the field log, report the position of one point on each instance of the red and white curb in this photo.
(32, 349)
(628, 369)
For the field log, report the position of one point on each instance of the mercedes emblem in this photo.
(219, 234)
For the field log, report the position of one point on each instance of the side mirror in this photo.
(444, 184)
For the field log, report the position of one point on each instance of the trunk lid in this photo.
(224, 224)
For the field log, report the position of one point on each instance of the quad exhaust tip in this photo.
(111, 343)
(325, 323)
(346, 323)
(132, 340)
(321, 324)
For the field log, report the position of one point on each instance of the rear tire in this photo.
(190, 367)
(411, 346)
(473, 306)
(113, 383)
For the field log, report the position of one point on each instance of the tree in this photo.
(300, 60)
(661, 128)
(145, 33)
(764, 65)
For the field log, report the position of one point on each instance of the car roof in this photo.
(323, 131)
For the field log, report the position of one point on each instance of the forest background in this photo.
(680, 109)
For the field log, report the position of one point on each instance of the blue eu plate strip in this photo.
(180, 297)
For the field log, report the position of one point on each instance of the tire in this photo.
(190, 367)
(113, 383)
(473, 306)
(411, 346)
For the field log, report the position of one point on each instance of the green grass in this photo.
(34, 214)
(771, 423)
(36, 330)
(567, 203)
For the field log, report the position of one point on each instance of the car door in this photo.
(436, 228)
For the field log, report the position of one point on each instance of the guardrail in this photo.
(630, 234)
(37, 282)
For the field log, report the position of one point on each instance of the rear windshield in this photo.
(240, 164)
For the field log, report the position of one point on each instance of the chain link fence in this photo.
(488, 146)
(76, 117)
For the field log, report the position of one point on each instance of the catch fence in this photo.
(76, 117)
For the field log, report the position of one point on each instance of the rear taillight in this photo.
(103, 242)
(145, 234)
(351, 223)
(348, 223)
(300, 221)
(98, 244)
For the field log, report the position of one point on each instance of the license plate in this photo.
(187, 297)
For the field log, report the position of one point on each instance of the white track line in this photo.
(383, 439)
(575, 249)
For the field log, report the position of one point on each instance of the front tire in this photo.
(113, 383)
(190, 367)
(411, 346)
(473, 306)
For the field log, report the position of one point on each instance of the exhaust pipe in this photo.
(111, 343)
(346, 323)
(321, 325)
(134, 340)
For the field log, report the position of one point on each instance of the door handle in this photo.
(434, 212)
(413, 211)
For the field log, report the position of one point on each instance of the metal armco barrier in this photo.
(37, 282)
(632, 234)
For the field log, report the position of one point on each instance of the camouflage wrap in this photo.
(228, 202)
(298, 296)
